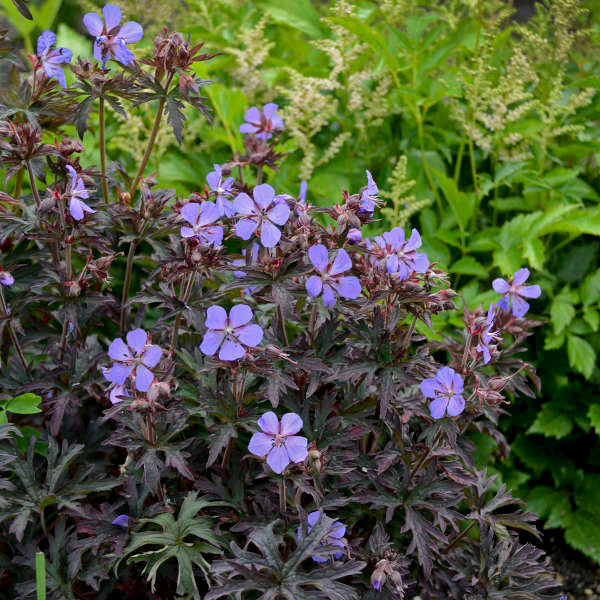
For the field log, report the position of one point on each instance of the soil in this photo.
(579, 576)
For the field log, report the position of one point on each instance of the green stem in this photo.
(424, 161)
(34, 190)
(103, 150)
(259, 174)
(461, 151)
(18, 184)
(475, 184)
(153, 134)
(11, 332)
(126, 285)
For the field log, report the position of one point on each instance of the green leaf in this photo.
(584, 533)
(25, 404)
(582, 357)
(590, 289)
(594, 416)
(550, 504)
(40, 575)
(462, 204)
(467, 265)
(562, 314)
(300, 14)
(551, 422)
(591, 317)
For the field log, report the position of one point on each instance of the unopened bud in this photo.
(378, 578)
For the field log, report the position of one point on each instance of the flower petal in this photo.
(116, 393)
(211, 342)
(519, 306)
(260, 444)
(348, 287)
(216, 317)
(93, 23)
(137, 339)
(231, 350)
(314, 285)
(119, 373)
(291, 423)
(319, 257)
(456, 405)
(239, 315)
(270, 109)
(190, 212)
(131, 32)
(503, 303)
(530, 291)
(250, 335)
(112, 16)
(45, 41)
(209, 214)
(187, 232)
(500, 285)
(76, 209)
(328, 296)
(445, 376)
(342, 263)
(371, 185)
(269, 234)
(297, 447)
(246, 227)
(280, 213)
(151, 356)
(437, 407)
(278, 459)
(118, 350)
(520, 277)
(248, 128)
(121, 521)
(269, 423)
(429, 387)
(244, 205)
(121, 52)
(263, 195)
(143, 378)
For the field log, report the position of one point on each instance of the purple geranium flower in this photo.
(221, 188)
(514, 291)
(398, 255)
(136, 357)
(263, 213)
(445, 389)
(53, 58)
(116, 391)
(77, 191)
(230, 334)
(111, 38)
(6, 279)
(262, 124)
(121, 521)
(278, 442)
(301, 204)
(367, 203)
(487, 336)
(201, 217)
(334, 536)
(330, 277)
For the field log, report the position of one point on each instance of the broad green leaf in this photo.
(300, 14)
(462, 204)
(562, 314)
(590, 289)
(554, 341)
(552, 422)
(584, 533)
(594, 417)
(591, 317)
(582, 357)
(25, 404)
(467, 265)
(550, 504)
(585, 220)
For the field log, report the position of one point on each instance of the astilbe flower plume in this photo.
(77, 193)
(278, 442)
(222, 188)
(52, 58)
(232, 334)
(136, 357)
(262, 124)
(201, 217)
(112, 38)
(514, 291)
(261, 213)
(446, 389)
(330, 279)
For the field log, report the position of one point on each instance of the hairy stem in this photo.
(259, 174)
(103, 150)
(11, 332)
(282, 496)
(282, 325)
(18, 183)
(152, 140)
(126, 285)
(312, 323)
(34, 190)
(409, 333)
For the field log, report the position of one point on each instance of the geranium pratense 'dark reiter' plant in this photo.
(155, 388)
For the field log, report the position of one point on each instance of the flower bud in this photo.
(354, 235)
(378, 577)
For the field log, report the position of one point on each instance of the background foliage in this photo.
(480, 131)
